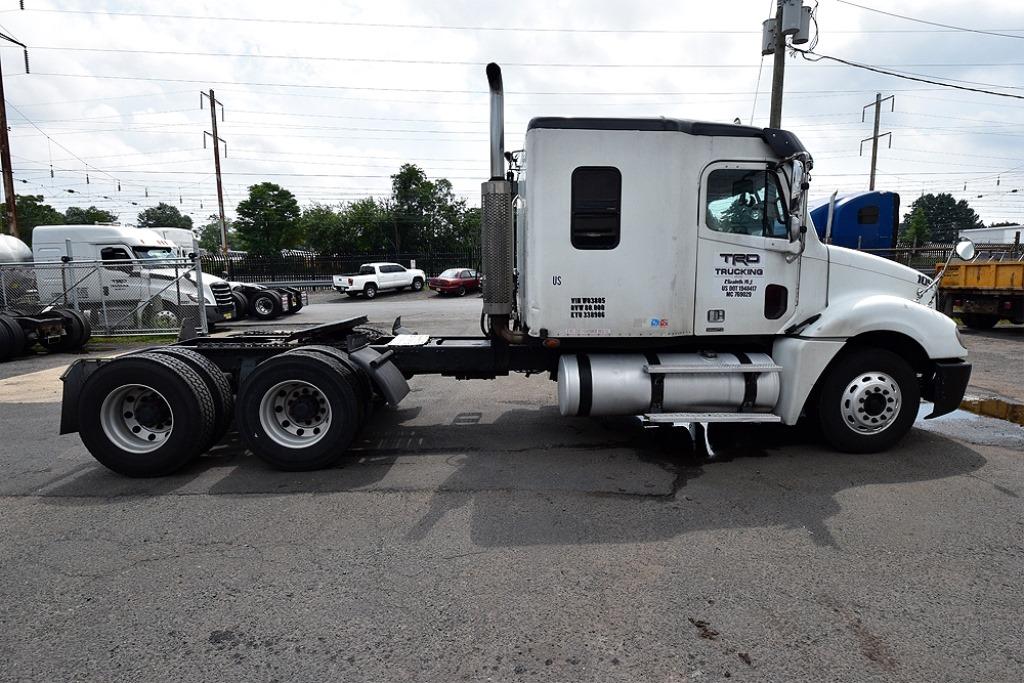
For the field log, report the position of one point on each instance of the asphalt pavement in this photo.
(474, 534)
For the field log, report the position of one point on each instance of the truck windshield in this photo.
(153, 253)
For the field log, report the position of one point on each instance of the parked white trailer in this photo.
(659, 268)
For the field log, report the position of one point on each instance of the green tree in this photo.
(916, 229)
(337, 231)
(268, 220)
(425, 215)
(164, 216)
(946, 216)
(31, 212)
(209, 234)
(78, 216)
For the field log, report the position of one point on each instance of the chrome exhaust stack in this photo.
(496, 225)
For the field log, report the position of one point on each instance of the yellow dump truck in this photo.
(983, 292)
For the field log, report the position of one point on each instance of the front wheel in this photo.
(980, 321)
(868, 401)
(417, 285)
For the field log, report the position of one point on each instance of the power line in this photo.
(450, 27)
(474, 63)
(930, 23)
(908, 77)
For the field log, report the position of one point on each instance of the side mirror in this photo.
(797, 177)
(964, 250)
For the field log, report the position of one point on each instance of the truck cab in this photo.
(123, 266)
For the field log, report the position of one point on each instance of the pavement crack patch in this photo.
(704, 629)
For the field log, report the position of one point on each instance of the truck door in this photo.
(747, 278)
(117, 270)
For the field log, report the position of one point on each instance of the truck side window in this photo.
(867, 215)
(746, 201)
(596, 207)
(113, 254)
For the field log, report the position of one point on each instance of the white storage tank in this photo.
(13, 250)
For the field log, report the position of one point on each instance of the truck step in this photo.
(676, 418)
(708, 368)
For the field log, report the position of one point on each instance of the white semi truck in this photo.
(137, 265)
(260, 301)
(660, 268)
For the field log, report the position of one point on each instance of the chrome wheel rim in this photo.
(264, 306)
(165, 319)
(295, 414)
(136, 418)
(871, 403)
(417, 285)
(370, 292)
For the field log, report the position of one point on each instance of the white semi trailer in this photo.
(661, 268)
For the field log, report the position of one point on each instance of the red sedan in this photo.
(455, 281)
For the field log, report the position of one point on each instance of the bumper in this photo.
(216, 314)
(947, 386)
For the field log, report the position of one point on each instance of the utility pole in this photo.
(791, 19)
(877, 104)
(5, 151)
(216, 164)
(778, 71)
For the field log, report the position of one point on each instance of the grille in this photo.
(222, 295)
(498, 255)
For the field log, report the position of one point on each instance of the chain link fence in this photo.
(926, 257)
(121, 297)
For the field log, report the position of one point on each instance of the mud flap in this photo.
(948, 386)
(385, 375)
(74, 379)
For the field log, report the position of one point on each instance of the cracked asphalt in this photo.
(476, 535)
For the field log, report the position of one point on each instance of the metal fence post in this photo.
(200, 295)
(103, 298)
(3, 286)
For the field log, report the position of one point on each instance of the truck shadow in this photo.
(531, 477)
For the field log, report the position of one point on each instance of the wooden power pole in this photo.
(217, 140)
(5, 151)
(877, 104)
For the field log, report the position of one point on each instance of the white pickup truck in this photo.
(374, 277)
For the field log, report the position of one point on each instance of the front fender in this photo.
(850, 316)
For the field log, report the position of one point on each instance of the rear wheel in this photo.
(868, 401)
(298, 411)
(145, 415)
(6, 343)
(266, 305)
(18, 342)
(217, 384)
(461, 291)
(980, 321)
(370, 291)
(76, 332)
(241, 304)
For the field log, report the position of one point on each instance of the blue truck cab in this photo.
(863, 220)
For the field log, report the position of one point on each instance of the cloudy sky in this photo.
(329, 98)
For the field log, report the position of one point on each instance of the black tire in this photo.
(84, 328)
(359, 380)
(184, 393)
(241, 304)
(370, 291)
(269, 385)
(296, 300)
(417, 284)
(265, 305)
(980, 321)
(77, 332)
(18, 343)
(867, 389)
(216, 382)
(6, 343)
(461, 291)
